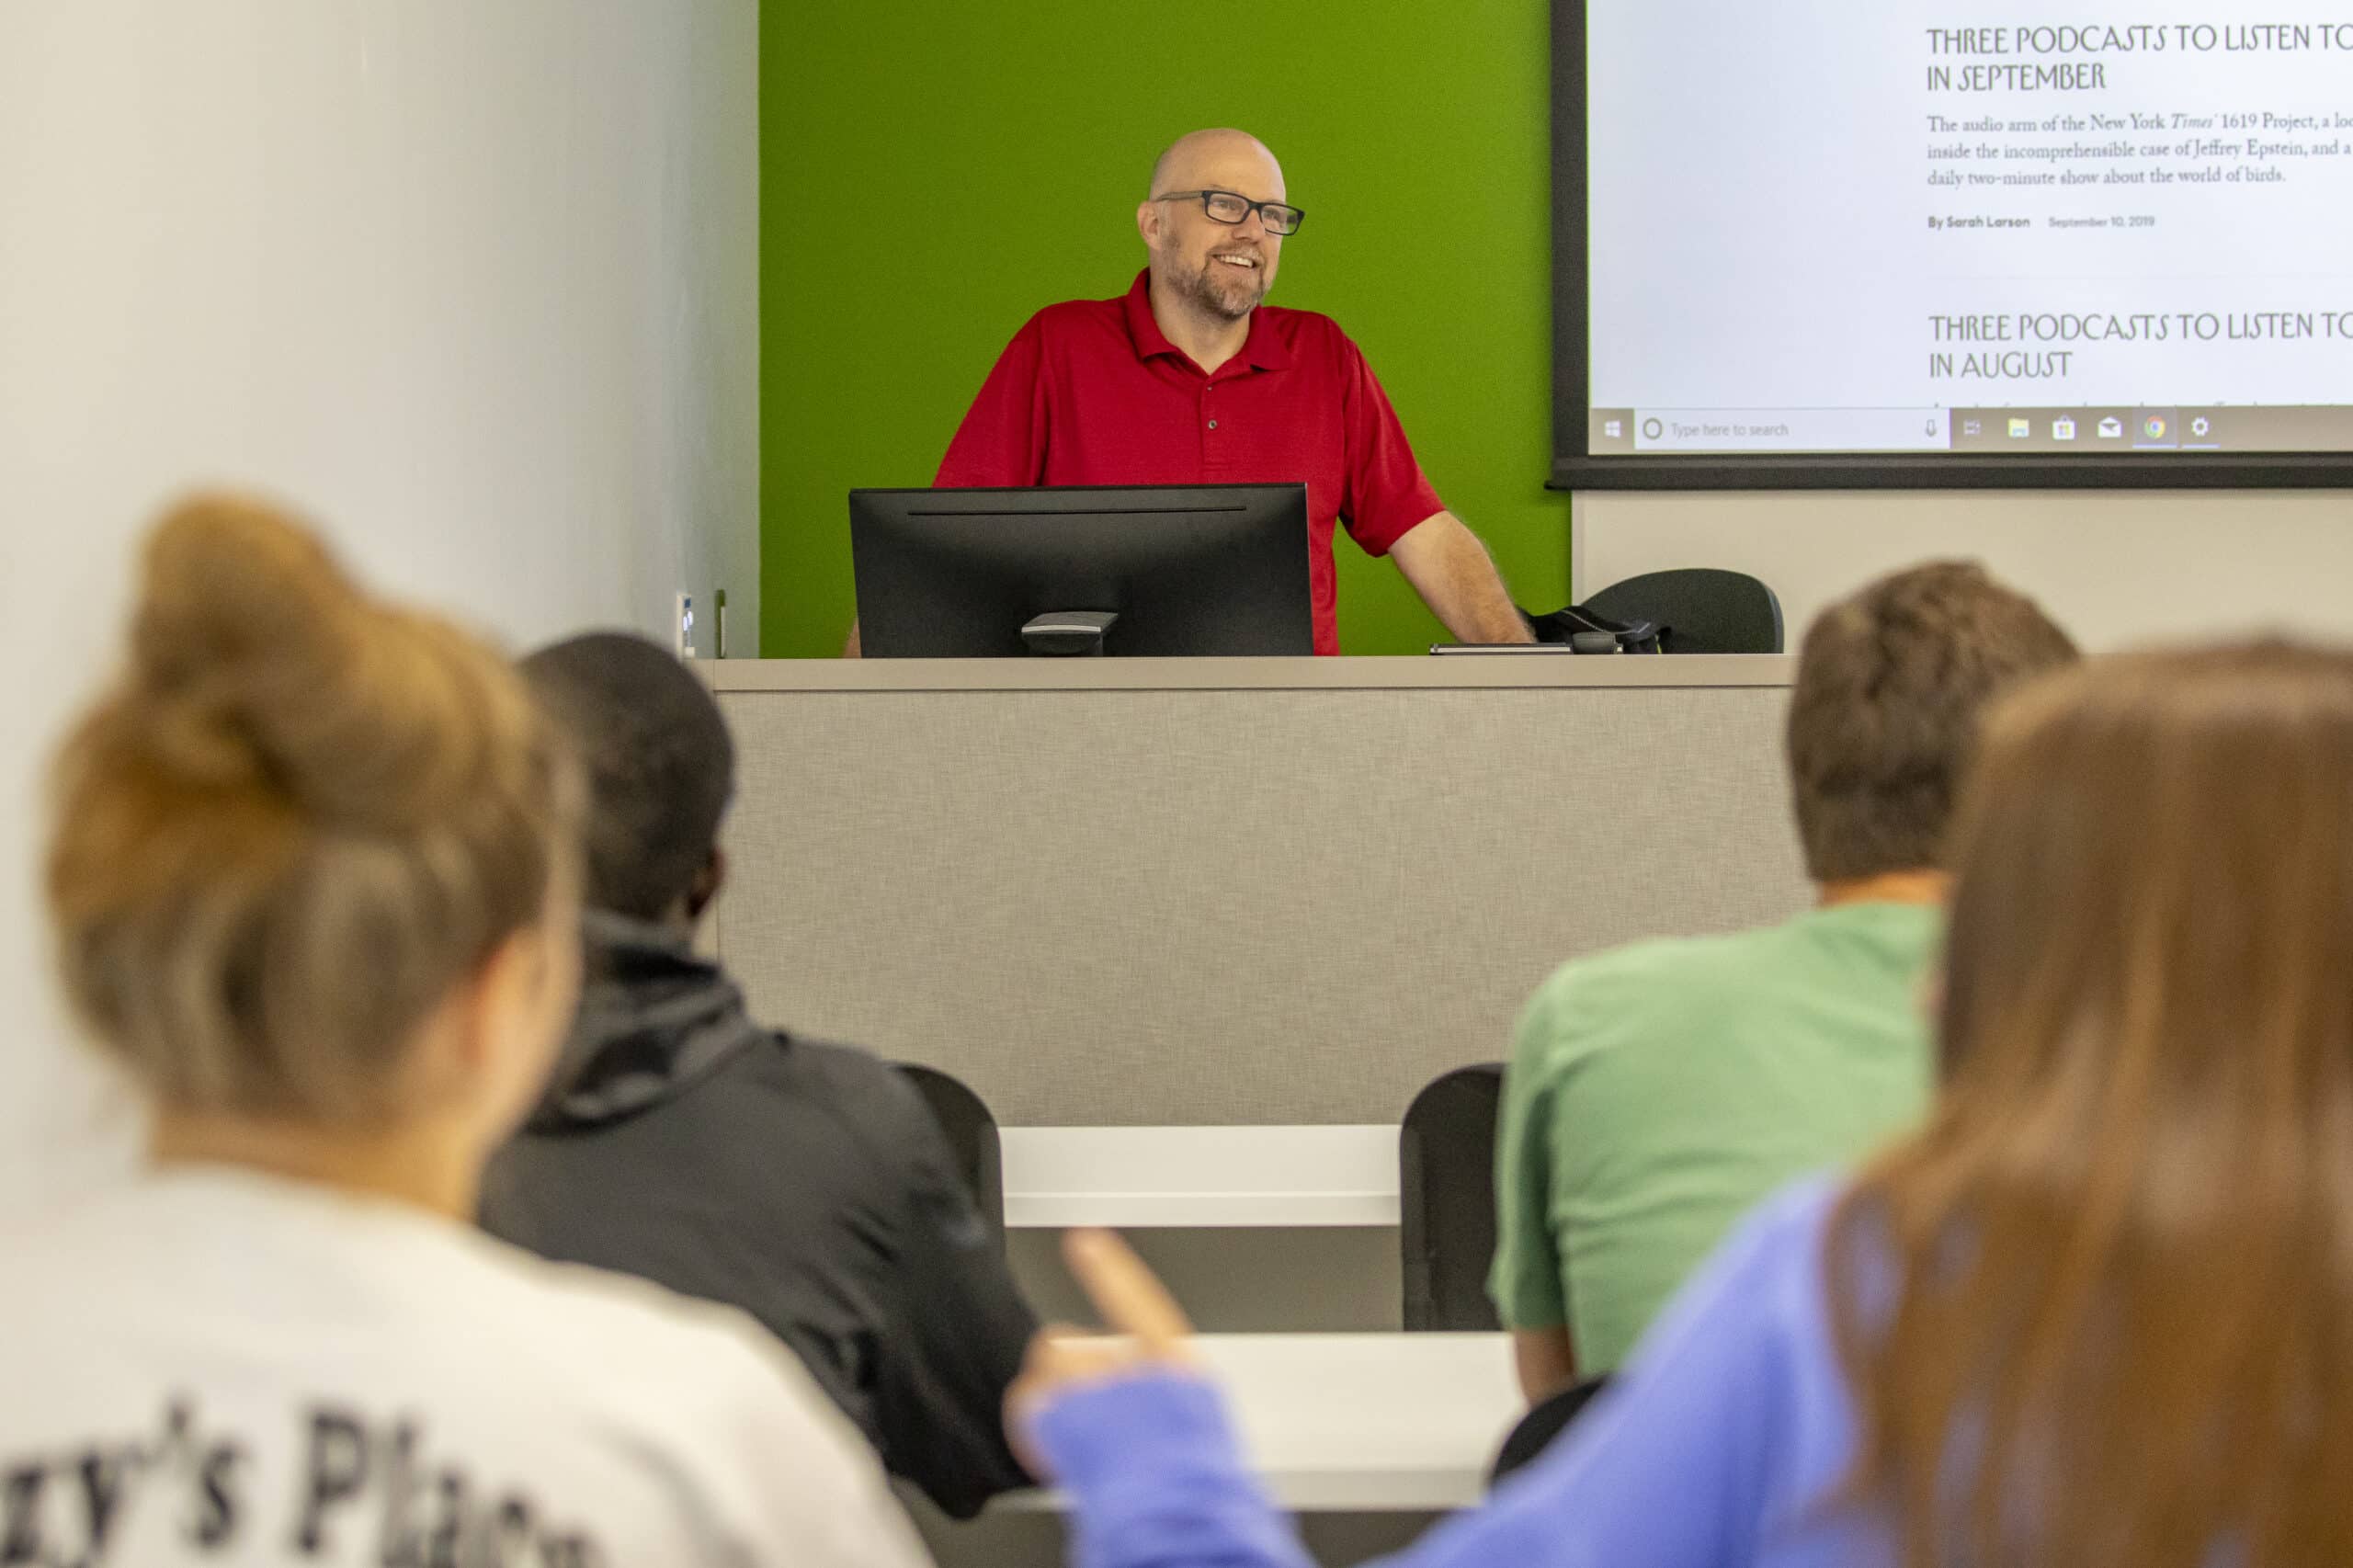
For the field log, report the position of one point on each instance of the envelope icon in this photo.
(2111, 429)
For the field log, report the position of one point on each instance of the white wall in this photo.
(474, 281)
(2115, 567)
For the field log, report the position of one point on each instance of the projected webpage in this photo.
(1853, 226)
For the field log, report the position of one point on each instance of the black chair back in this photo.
(1704, 610)
(1542, 1426)
(1446, 1190)
(971, 1131)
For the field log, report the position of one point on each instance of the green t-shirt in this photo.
(1657, 1091)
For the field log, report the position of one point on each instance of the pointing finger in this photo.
(1129, 1295)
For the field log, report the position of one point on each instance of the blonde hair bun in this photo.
(300, 818)
(258, 664)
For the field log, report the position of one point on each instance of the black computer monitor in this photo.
(1176, 569)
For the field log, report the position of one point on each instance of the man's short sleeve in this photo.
(1526, 1281)
(1002, 441)
(1384, 494)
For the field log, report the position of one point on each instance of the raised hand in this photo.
(1148, 1332)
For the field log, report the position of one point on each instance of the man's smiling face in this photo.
(1223, 269)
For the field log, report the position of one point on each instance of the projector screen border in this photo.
(1575, 468)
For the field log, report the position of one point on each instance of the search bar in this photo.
(1792, 429)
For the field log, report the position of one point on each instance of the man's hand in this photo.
(1456, 578)
(1149, 1332)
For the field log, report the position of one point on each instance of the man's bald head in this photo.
(1207, 160)
(1219, 270)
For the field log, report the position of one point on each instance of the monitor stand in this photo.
(1067, 633)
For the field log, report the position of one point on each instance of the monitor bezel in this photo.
(1286, 504)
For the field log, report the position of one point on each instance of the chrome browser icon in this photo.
(2156, 427)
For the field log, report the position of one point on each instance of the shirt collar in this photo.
(1265, 350)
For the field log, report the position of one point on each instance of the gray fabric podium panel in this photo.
(1277, 892)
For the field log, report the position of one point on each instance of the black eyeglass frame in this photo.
(1298, 214)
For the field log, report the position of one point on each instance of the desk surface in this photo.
(1367, 1423)
(1455, 672)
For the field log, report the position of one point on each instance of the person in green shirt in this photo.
(1657, 1091)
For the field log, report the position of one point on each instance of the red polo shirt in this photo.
(1092, 393)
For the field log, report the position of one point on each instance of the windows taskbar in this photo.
(2052, 431)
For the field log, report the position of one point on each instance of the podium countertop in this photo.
(1449, 672)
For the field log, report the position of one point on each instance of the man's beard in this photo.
(1220, 290)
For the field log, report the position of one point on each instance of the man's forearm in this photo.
(1546, 1361)
(1456, 578)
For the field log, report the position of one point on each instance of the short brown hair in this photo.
(1892, 683)
(300, 818)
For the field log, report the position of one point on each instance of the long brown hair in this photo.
(2100, 1312)
(298, 819)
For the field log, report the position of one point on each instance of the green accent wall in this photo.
(931, 174)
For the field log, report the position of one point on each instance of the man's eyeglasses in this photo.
(1227, 207)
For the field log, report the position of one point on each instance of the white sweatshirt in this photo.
(213, 1367)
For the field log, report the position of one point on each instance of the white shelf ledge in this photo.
(1198, 1176)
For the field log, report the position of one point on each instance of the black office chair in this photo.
(971, 1131)
(1542, 1426)
(1446, 1200)
(1704, 610)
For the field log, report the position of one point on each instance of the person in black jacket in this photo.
(681, 1141)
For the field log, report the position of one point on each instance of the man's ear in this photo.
(1148, 224)
(704, 891)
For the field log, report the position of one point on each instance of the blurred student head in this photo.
(1891, 687)
(2126, 1236)
(659, 765)
(311, 871)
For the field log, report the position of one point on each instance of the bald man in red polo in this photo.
(1188, 379)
